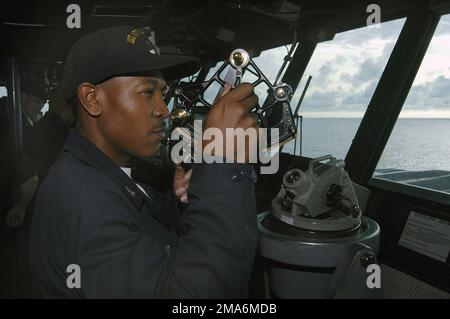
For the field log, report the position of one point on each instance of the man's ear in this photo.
(87, 95)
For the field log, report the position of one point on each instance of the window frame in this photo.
(411, 190)
(404, 188)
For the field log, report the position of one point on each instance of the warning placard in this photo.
(427, 235)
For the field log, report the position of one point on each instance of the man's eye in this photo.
(149, 92)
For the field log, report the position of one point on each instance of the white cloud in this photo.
(347, 69)
(431, 95)
(436, 61)
(357, 59)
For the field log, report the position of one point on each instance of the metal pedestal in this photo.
(307, 264)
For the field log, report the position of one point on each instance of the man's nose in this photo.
(161, 109)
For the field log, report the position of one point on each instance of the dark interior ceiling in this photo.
(38, 30)
(210, 29)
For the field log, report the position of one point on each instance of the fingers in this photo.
(249, 102)
(14, 219)
(182, 183)
(181, 177)
(179, 191)
(241, 92)
(11, 217)
(226, 89)
(188, 175)
(250, 120)
(178, 177)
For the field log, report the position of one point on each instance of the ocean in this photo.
(414, 145)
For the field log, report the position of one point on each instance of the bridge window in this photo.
(345, 72)
(418, 151)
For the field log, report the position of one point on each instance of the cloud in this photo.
(340, 59)
(353, 80)
(361, 98)
(326, 69)
(368, 70)
(443, 26)
(346, 70)
(321, 101)
(441, 87)
(388, 47)
(431, 95)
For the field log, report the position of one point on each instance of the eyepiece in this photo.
(239, 58)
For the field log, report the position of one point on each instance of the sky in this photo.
(346, 70)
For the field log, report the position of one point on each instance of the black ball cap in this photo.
(119, 51)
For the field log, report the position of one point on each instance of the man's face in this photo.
(133, 113)
(32, 105)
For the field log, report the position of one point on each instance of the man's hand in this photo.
(15, 216)
(181, 183)
(232, 110)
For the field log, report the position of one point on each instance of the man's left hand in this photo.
(181, 183)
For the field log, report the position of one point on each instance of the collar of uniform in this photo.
(91, 155)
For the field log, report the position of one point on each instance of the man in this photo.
(18, 185)
(50, 133)
(127, 240)
(32, 101)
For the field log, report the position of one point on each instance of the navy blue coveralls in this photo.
(90, 213)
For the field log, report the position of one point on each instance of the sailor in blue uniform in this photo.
(125, 240)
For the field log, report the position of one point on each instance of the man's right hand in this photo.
(15, 216)
(232, 110)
